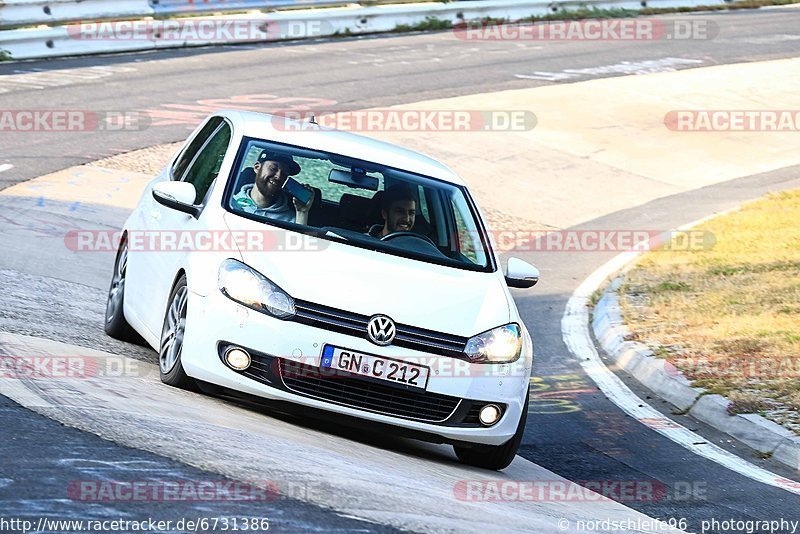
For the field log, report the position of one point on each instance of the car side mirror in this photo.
(521, 274)
(177, 196)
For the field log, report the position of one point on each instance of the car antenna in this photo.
(312, 120)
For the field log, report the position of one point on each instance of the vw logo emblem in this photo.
(381, 330)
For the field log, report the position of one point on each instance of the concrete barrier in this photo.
(15, 13)
(67, 40)
(177, 7)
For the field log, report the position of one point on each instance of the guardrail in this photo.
(15, 13)
(19, 13)
(183, 7)
(82, 39)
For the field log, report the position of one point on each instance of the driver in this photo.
(398, 210)
(266, 197)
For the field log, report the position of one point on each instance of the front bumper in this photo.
(215, 322)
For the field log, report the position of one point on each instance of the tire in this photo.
(495, 457)
(116, 325)
(172, 332)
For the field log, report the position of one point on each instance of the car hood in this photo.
(411, 292)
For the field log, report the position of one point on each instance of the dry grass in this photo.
(729, 316)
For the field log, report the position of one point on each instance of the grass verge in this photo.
(729, 316)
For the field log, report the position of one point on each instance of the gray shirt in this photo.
(280, 209)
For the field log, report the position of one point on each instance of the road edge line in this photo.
(755, 431)
(575, 331)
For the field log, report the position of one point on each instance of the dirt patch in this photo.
(149, 160)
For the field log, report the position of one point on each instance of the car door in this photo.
(199, 165)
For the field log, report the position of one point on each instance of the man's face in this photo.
(270, 176)
(400, 216)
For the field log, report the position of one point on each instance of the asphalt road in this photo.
(353, 73)
(46, 484)
(589, 438)
(574, 431)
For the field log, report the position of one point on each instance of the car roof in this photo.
(270, 127)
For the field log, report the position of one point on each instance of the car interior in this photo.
(350, 210)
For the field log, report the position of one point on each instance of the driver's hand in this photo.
(304, 208)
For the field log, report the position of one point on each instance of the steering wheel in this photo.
(406, 233)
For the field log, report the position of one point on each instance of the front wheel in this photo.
(171, 349)
(495, 457)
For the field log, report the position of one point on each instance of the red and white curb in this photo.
(657, 375)
(577, 336)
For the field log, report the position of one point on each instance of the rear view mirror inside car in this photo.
(353, 179)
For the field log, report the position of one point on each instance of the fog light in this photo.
(237, 359)
(489, 415)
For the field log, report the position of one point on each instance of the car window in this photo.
(205, 168)
(423, 204)
(189, 153)
(467, 237)
(313, 173)
(351, 196)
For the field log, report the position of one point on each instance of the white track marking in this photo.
(575, 332)
(667, 64)
(33, 79)
(6, 167)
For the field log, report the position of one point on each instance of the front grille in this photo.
(473, 415)
(263, 369)
(359, 392)
(365, 394)
(355, 324)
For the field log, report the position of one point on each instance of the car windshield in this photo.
(360, 203)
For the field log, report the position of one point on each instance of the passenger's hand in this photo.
(303, 208)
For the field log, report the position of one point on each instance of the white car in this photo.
(380, 301)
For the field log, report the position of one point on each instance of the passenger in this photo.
(266, 197)
(398, 210)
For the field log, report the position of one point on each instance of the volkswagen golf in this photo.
(320, 269)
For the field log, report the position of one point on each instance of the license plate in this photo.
(397, 371)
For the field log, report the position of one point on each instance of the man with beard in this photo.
(398, 209)
(266, 196)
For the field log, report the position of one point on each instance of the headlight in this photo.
(247, 286)
(499, 345)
